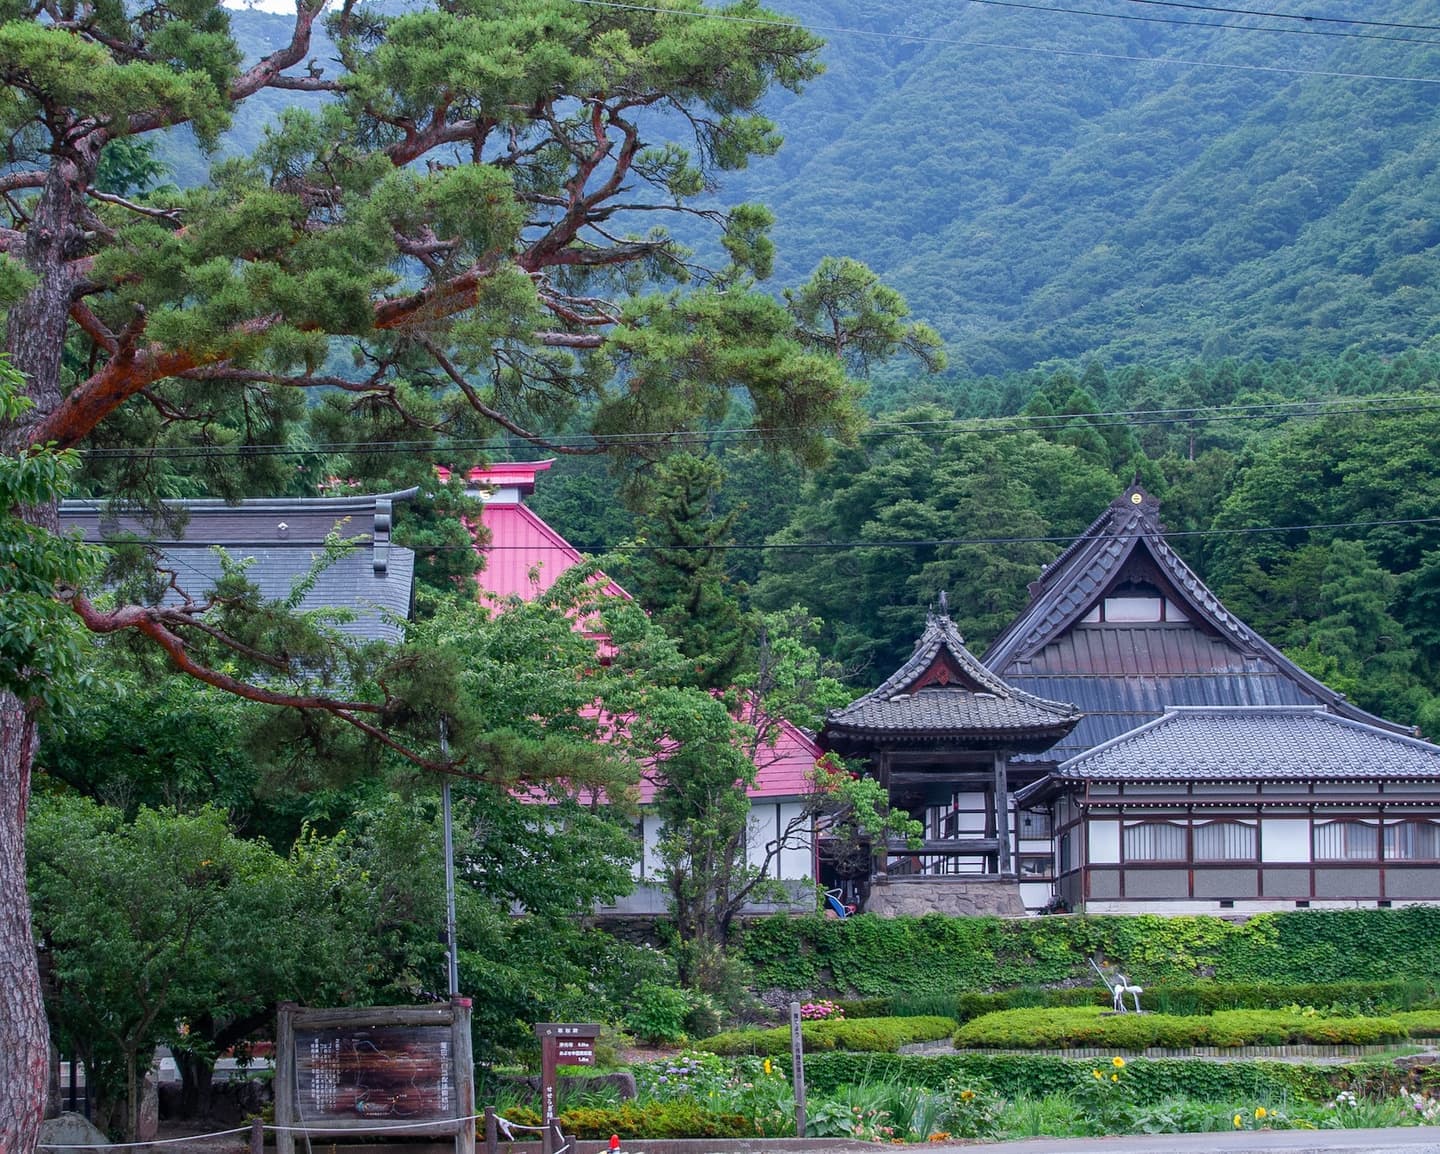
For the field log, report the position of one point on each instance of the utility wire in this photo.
(599, 550)
(1287, 15)
(879, 430)
(1176, 21)
(914, 38)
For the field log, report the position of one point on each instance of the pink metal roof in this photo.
(525, 556)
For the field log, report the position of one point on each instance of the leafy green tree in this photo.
(464, 240)
(149, 924)
(883, 529)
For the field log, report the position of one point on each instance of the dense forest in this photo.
(1139, 186)
(1191, 246)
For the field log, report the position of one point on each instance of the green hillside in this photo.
(1034, 205)
(1048, 185)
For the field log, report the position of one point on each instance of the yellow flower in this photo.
(1114, 1077)
(769, 1069)
(1237, 1121)
(1260, 1111)
(966, 1095)
(1118, 1062)
(1097, 1074)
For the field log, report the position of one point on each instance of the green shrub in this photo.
(870, 1008)
(1045, 1028)
(1152, 1078)
(863, 1035)
(1420, 1023)
(659, 1013)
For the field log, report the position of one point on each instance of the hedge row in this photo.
(867, 956)
(1050, 1029)
(1209, 997)
(864, 1035)
(675, 1119)
(1040, 1074)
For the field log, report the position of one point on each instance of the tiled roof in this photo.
(1263, 743)
(1041, 648)
(281, 539)
(965, 700)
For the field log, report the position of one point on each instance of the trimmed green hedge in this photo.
(864, 1035)
(1208, 997)
(868, 956)
(676, 1119)
(1420, 1023)
(1039, 1074)
(1051, 1029)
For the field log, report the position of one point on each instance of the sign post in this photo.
(797, 1062)
(561, 1044)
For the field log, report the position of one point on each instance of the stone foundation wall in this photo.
(962, 896)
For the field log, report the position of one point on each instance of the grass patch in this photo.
(864, 1035)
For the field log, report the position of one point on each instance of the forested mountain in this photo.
(1037, 191)
(1140, 186)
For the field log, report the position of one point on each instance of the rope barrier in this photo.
(140, 1145)
(508, 1127)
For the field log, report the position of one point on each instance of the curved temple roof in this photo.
(1123, 675)
(942, 695)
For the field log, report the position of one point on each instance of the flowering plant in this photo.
(821, 1011)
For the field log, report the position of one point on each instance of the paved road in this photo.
(1401, 1140)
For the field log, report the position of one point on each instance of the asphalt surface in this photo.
(1404, 1140)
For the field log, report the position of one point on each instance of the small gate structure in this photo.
(372, 1072)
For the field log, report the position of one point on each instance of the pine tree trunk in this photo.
(24, 1034)
(35, 338)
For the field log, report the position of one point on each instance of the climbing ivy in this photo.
(869, 956)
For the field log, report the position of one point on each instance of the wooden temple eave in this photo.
(1255, 801)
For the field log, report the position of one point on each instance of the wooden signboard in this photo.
(561, 1044)
(399, 1071)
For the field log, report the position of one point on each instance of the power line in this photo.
(879, 430)
(1174, 21)
(599, 550)
(914, 38)
(1288, 15)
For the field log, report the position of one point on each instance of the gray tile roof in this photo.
(1047, 650)
(969, 701)
(1256, 743)
(281, 538)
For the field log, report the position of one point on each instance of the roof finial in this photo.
(944, 604)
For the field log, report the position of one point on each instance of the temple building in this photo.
(940, 734)
(1192, 766)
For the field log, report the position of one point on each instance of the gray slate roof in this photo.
(374, 580)
(970, 703)
(1265, 743)
(1123, 675)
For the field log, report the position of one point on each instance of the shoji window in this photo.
(1225, 841)
(1347, 841)
(1155, 841)
(1412, 841)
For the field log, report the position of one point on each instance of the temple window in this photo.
(1155, 841)
(1225, 841)
(1135, 603)
(1412, 841)
(1347, 841)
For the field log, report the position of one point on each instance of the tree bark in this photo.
(24, 1034)
(35, 340)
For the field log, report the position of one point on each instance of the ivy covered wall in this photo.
(870, 956)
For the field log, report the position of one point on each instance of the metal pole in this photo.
(450, 944)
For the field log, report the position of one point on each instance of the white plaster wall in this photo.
(1105, 842)
(1284, 839)
(649, 864)
(768, 819)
